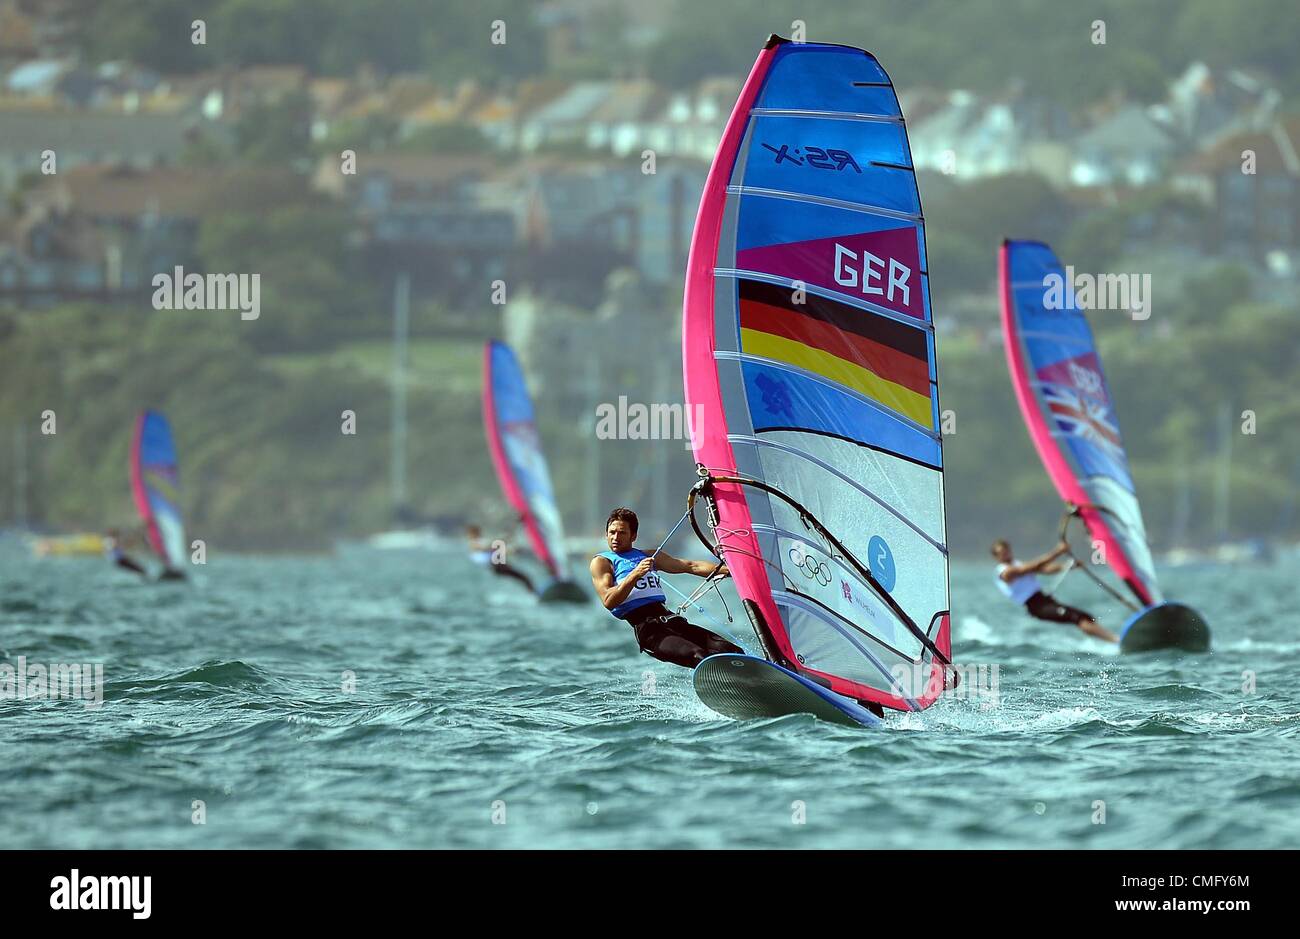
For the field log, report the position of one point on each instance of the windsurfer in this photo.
(491, 556)
(1019, 582)
(113, 551)
(626, 580)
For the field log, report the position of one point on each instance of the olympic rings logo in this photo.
(811, 568)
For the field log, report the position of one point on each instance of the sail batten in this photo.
(830, 115)
(848, 204)
(812, 376)
(808, 353)
(878, 500)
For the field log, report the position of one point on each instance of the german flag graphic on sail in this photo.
(878, 357)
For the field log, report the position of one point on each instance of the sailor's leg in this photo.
(1041, 606)
(676, 651)
(129, 564)
(671, 639)
(505, 570)
(1093, 628)
(1053, 610)
(1085, 622)
(709, 642)
(718, 645)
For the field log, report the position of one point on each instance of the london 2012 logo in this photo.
(816, 157)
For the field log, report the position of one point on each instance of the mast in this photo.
(20, 478)
(659, 480)
(591, 396)
(401, 330)
(1182, 513)
(1287, 516)
(1223, 479)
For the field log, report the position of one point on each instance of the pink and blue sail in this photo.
(809, 368)
(155, 484)
(516, 449)
(1067, 406)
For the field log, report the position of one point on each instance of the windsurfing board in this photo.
(745, 687)
(1165, 626)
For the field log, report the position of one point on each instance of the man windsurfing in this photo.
(1019, 582)
(626, 580)
(483, 553)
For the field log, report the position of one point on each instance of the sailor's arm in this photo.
(671, 565)
(1060, 551)
(1041, 565)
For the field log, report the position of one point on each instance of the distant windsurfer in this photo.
(1019, 582)
(488, 555)
(113, 551)
(627, 583)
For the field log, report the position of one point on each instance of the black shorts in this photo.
(654, 621)
(1041, 606)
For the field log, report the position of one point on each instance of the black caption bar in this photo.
(333, 889)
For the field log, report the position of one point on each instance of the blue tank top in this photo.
(647, 590)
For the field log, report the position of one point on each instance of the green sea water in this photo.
(405, 699)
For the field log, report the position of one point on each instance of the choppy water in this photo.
(473, 708)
